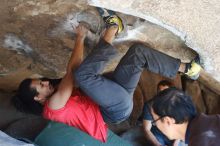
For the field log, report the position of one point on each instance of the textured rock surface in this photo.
(36, 39)
(193, 89)
(196, 22)
(211, 100)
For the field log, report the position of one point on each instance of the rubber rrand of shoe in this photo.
(113, 20)
(194, 70)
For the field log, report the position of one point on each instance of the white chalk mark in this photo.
(12, 42)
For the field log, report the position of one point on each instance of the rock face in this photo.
(196, 22)
(37, 37)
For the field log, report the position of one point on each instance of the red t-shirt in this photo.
(82, 113)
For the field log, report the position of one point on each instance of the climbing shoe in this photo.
(111, 19)
(193, 68)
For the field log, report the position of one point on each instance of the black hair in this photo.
(24, 98)
(174, 103)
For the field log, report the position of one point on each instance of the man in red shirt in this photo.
(98, 98)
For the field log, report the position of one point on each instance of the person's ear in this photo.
(169, 120)
(36, 98)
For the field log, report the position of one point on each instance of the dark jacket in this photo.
(204, 130)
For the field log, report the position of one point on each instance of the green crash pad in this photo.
(58, 134)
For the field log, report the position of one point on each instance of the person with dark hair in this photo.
(175, 116)
(22, 100)
(164, 84)
(99, 99)
(151, 132)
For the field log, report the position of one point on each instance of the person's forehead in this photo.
(163, 86)
(35, 82)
